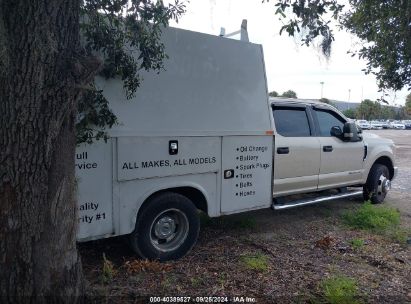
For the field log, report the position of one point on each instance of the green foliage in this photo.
(289, 94)
(382, 26)
(350, 113)
(273, 94)
(374, 218)
(110, 29)
(94, 117)
(257, 262)
(370, 110)
(357, 243)
(408, 104)
(307, 20)
(401, 113)
(108, 271)
(340, 290)
(399, 234)
(387, 113)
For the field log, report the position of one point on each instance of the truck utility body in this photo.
(203, 135)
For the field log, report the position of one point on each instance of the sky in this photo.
(288, 64)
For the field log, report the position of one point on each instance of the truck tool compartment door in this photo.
(246, 173)
(147, 157)
(297, 152)
(341, 161)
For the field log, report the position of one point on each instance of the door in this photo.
(341, 161)
(246, 173)
(296, 151)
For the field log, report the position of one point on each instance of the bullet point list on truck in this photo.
(247, 163)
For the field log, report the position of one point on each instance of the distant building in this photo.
(341, 105)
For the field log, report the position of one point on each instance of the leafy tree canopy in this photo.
(382, 26)
(350, 113)
(408, 104)
(273, 94)
(289, 94)
(370, 110)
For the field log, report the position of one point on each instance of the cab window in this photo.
(291, 121)
(326, 120)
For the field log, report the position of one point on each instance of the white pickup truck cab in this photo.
(204, 136)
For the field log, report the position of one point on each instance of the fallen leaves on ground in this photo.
(134, 266)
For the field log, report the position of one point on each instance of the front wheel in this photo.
(167, 227)
(378, 184)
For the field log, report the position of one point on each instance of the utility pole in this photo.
(349, 95)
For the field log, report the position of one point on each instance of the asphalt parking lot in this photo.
(401, 186)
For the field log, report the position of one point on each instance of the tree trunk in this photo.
(39, 40)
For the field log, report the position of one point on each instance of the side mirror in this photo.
(350, 132)
(336, 132)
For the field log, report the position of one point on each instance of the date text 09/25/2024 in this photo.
(209, 299)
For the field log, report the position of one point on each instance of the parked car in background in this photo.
(398, 125)
(376, 125)
(407, 124)
(365, 125)
(386, 124)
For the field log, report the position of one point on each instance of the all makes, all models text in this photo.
(169, 163)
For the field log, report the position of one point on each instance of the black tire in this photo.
(167, 227)
(372, 189)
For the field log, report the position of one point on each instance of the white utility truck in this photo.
(204, 136)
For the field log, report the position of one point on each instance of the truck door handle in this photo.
(283, 150)
(328, 148)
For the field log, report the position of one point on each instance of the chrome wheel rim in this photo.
(169, 230)
(384, 185)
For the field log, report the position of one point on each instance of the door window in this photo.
(291, 122)
(328, 119)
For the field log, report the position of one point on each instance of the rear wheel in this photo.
(378, 184)
(167, 227)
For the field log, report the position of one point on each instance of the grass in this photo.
(340, 290)
(399, 234)
(257, 262)
(108, 270)
(168, 281)
(357, 243)
(373, 218)
(196, 281)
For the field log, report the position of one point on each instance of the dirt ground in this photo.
(301, 248)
